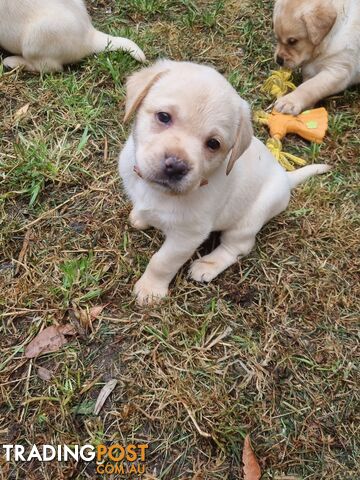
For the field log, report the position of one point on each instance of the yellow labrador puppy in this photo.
(192, 166)
(44, 35)
(323, 38)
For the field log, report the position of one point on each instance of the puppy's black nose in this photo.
(279, 60)
(174, 168)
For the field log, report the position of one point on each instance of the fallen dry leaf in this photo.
(103, 395)
(96, 311)
(87, 316)
(48, 340)
(44, 374)
(67, 329)
(252, 469)
(21, 113)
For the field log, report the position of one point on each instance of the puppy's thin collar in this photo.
(137, 171)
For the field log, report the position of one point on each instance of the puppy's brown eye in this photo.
(213, 144)
(292, 41)
(164, 117)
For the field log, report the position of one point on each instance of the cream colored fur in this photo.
(327, 48)
(44, 35)
(203, 106)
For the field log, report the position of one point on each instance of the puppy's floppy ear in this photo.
(139, 84)
(319, 21)
(244, 135)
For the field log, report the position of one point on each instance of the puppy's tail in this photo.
(102, 41)
(299, 176)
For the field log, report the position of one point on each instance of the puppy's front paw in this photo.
(136, 52)
(204, 271)
(149, 292)
(137, 221)
(289, 104)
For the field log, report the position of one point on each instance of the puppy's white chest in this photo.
(162, 216)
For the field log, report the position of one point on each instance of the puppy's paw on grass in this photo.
(149, 293)
(204, 271)
(137, 221)
(289, 104)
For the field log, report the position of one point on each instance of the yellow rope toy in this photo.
(311, 124)
(279, 83)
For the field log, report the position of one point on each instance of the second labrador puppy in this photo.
(323, 38)
(44, 35)
(180, 168)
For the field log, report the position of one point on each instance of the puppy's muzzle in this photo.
(174, 168)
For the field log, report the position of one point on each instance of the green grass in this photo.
(287, 370)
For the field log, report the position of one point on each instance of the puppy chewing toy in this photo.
(310, 125)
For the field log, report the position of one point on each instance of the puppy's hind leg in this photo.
(49, 44)
(39, 65)
(239, 241)
(47, 65)
(17, 61)
(234, 244)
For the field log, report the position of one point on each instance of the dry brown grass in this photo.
(269, 348)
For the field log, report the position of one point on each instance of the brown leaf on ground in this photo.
(103, 395)
(96, 311)
(48, 340)
(44, 374)
(87, 316)
(21, 113)
(252, 469)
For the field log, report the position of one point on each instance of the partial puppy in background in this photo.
(192, 166)
(323, 38)
(44, 35)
